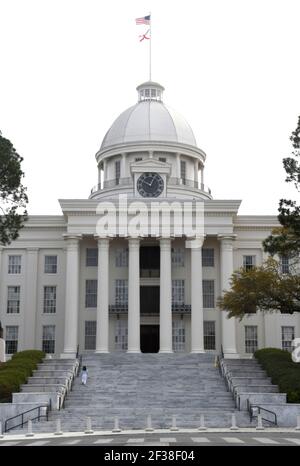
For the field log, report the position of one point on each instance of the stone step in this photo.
(47, 380)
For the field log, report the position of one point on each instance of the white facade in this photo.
(64, 287)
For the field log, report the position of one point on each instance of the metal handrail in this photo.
(222, 352)
(250, 408)
(23, 422)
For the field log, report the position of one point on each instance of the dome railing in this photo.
(108, 184)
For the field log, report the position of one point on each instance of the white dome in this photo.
(149, 120)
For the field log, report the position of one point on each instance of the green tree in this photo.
(264, 288)
(13, 197)
(285, 240)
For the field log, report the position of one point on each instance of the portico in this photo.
(157, 276)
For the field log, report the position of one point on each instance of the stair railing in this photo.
(42, 411)
(255, 410)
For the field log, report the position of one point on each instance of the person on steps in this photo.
(84, 375)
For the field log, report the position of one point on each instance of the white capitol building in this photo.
(66, 287)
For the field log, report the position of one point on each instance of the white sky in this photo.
(68, 68)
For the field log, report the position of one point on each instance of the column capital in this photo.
(69, 237)
(195, 243)
(72, 242)
(103, 242)
(165, 243)
(134, 242)
(227, 238)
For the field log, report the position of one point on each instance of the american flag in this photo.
(143, 20)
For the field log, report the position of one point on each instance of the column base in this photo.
(199, 351)
(166, 351)
(133, 351)
(68, 355)
(100, 351)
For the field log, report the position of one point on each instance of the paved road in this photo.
(172, 440)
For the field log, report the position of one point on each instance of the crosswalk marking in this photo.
(8, 444)
(265, 440)
(103, 441)
(38, 443)
(71, 442)
(168, 439)
(135, 440)
(232, 440)
(200, 439)
(294, 440)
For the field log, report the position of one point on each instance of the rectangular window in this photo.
(121, 335)
(91, 293)
(178, 336)
(49, 299)
(287, 336)
(177, 292)
(117, 170)
(91, 257)
(90, 335)
(11, 339)
(251, 338)
(48, 344)
(248, 262)
(285, 265)
(122, 257)
(208, 257)
(13, 299)
(162, 159)
(208, 287)
(121, 292)
(14, 264)
(178, 257)
(183, 170)
(209, 335)
(50, 264)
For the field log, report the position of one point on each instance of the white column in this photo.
(72, 297)
(102, 332)
(104, 172)
(228, 325)
(123, 166)
(178, 170)
(196, 172)
(197, 341)
(165, 316)
(31, 298)
(202, 176)
(134, 345)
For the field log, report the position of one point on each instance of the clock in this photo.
(150, 185)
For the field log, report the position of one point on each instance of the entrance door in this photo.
(149, 338)
(149, 299)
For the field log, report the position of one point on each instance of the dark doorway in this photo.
(149, 338)
(149, 261)
(149, 299)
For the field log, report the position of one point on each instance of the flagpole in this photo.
(150, 47)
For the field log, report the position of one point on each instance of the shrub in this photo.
(283, 371)
(15, 372)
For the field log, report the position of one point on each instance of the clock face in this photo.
(150, 185)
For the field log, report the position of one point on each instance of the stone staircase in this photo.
(131, 386)
(252, 388)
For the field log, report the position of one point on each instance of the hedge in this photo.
(15, 372)
(283, 371)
